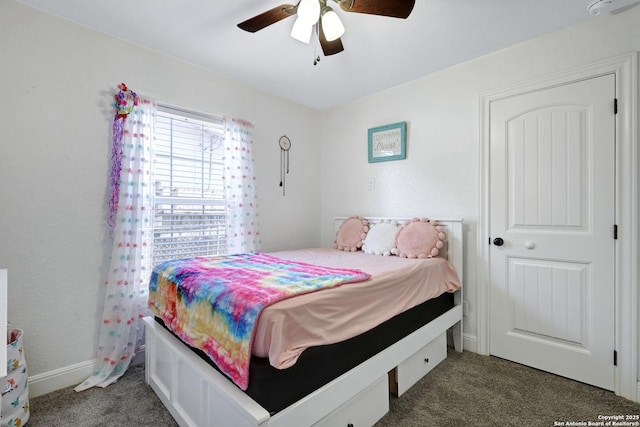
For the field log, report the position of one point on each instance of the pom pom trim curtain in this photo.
(131, 207)
(131, 210)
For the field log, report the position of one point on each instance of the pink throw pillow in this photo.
(351, 234)
(419, 238)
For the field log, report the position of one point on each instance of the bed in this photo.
(341, 386)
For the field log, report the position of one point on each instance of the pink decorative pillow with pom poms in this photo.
(419, 238)
(351, 234)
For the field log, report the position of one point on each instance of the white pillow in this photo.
(380, 238)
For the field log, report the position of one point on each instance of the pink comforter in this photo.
(288, 327)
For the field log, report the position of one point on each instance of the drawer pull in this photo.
(349, 425)
(426, 360)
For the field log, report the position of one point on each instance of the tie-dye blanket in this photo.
(213, 303)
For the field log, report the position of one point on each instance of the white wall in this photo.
(440, 176)
(57, 80)
(55, 115)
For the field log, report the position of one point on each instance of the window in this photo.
(190, 216)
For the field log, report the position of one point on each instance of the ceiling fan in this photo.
(317, 14)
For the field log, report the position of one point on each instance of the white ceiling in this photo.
(380, 52)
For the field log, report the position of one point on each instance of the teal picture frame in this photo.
(388, 142)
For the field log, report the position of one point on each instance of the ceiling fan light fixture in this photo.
(302, 30)
(309, 11)
(331, 24)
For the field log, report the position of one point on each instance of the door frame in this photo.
(625, 68)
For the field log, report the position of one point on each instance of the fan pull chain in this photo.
(316, 58)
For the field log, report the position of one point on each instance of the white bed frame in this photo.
(197, 395)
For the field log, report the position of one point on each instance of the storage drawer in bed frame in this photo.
(420, 364)
(365, 409)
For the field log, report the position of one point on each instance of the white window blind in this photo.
(190, 217)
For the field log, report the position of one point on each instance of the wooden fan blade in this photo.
(267, 18)
(393, 8)
(329, 48)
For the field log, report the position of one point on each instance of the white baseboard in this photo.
(68, 376)
(60, 378)
(469, 342)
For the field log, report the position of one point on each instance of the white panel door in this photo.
(552, 189)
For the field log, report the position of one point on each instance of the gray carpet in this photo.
(470, 389)
(129, 402)
(465, 390)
